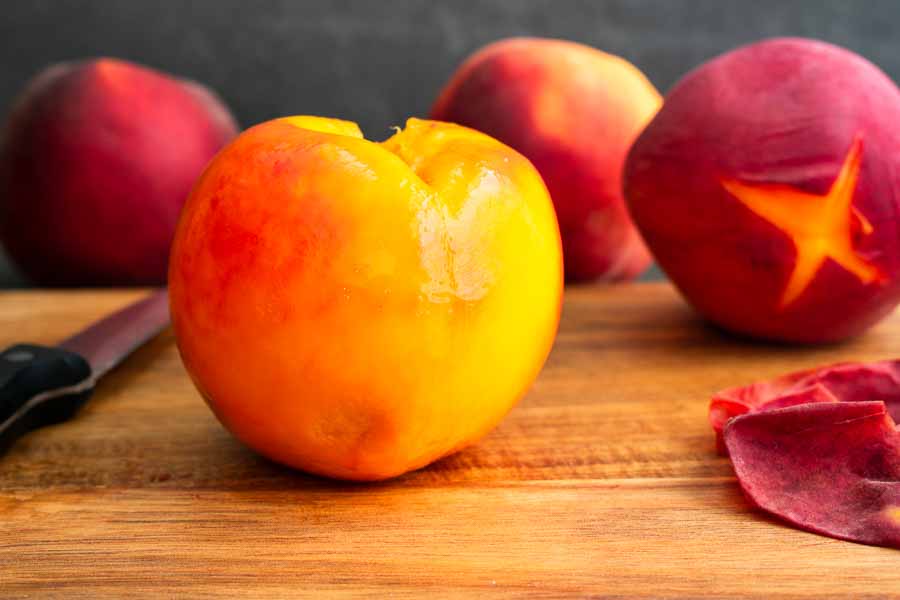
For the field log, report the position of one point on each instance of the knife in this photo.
(44, 385)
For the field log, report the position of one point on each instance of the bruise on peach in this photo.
(829, 468)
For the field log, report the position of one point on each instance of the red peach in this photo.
(96, 160)
(574, 112)
(768, 188)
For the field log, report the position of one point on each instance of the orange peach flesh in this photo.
(820, 227)
(389, 302)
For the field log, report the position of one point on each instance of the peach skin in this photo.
(358, 309)
(574, 111)
(96, 160)
(768, 188)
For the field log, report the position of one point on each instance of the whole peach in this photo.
(768, 189)
(574, 112)
(96, 160)
(357, 309)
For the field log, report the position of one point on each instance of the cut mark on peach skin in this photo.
(820, 226)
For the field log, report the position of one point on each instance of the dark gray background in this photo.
(378, 61)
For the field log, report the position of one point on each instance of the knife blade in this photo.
(44, 385)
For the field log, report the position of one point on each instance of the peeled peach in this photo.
(574, 112)
(359, 309)
(96, 161)
(768, 189)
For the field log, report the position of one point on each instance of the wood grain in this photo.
(603, 482)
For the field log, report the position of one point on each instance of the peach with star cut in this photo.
(768, 188)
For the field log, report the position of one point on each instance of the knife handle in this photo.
(39, 386)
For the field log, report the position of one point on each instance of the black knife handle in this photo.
(39, 386)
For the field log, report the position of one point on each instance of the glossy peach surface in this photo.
(574, 111)
(360, 309)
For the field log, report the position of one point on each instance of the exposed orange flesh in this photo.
(820, 226)
(359, 309)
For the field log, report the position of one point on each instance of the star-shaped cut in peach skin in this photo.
(820, 226)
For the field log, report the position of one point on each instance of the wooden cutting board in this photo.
(603, 481)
